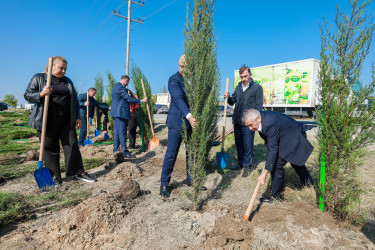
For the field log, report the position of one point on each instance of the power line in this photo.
(76, 29)
(93, 32)
(96, 14)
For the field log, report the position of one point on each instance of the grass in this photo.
(14, 147)
(12, 208)
(15, 207)
(17, 170)
(14, 125)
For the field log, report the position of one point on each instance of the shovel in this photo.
(42, 175)
(250, 207)
(221, 157)
(97, 131)
(153, 142)
(88, 141)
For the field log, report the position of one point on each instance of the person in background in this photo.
(286, 141)
(247, 94)
(83, 103)
(120, 111)
(63, 118)
(132, 125)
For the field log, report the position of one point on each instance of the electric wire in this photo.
(61, 50)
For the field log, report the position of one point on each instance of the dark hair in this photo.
(243, 68)
(125, 77)
(94, 89)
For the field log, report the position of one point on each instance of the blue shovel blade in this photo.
(106, 136)
(43, 177)
(87, 142)
(97, 132)
(222, 159)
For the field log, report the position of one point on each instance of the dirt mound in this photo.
(129, 189)
(89, 225)
(32, 155)
(100, 138)
(229, 230)
(124, 171)
(281, 226)
(90, 151)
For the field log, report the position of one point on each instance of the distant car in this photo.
(161, 109)
(29, 106)
(3, 106)
(229, 110)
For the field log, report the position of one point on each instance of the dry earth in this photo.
(124, 211)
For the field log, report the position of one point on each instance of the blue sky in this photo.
(255, 33)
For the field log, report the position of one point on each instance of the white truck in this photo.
(289, 87)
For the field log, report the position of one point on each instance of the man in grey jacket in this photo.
(247, 94)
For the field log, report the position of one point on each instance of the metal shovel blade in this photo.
(222, 159)
(43, 177)
(106, 136)
(97, 132)
(153, 143)
(87, 142)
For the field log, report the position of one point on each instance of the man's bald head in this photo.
(181, 64)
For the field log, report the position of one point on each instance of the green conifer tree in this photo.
(99, 97)
(202, 79)
(136, 75)
(345, 128)
(111, 82)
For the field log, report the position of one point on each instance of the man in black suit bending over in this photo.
(286, 142)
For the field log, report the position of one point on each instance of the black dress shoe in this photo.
(246, 172)
(237, 167)
(269, 198)
(203, 188)
(164, 191)
(57, 181)
(129, 156)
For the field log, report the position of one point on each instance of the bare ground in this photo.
(124, 211)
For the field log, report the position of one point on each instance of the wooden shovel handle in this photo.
(250, 207)
(45, 111)
(225, 115)
(87, 113)
(148, 109)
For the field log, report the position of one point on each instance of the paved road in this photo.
(160, 118)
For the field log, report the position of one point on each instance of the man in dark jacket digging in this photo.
(286, 142)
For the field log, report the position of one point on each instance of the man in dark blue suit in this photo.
(120, 111)
(286, 142)
(83, 103)
(247, 94)
(178, 112)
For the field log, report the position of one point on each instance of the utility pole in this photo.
(128, 34)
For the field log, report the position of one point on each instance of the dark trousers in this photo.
(58, 129)
(132, 130)
(278, 175)
(244, 139)
(82, 131)
(173, 146)
(119, 137)
(105, 122)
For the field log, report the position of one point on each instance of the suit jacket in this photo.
(92, 104)
(252, 98)
(179, 106)
(284, 138)
(120, 101)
